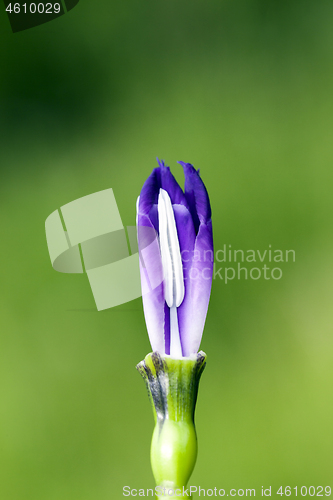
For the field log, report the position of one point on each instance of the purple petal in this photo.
(151, 271)
(161, 177)
(192, 312)
(185, 230)
(153, 216)
(186, 238)
(196, 195)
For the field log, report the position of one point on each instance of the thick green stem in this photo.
(172, 388)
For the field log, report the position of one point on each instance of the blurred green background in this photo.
(243, 90)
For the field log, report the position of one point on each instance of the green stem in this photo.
(172, 386)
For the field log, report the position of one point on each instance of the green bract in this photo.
(172, 386)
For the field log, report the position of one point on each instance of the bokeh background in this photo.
(243, 90)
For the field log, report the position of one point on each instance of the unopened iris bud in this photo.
(172, 223)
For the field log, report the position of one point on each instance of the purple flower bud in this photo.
(176, 259)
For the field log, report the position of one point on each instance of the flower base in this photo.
(172, 386)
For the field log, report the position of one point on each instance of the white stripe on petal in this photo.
(174, 289)
(170, 251)
(165, 253)
(178, 289)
